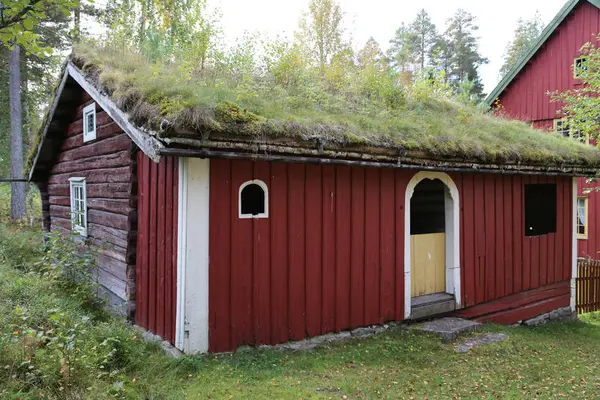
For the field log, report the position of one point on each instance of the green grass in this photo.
(221, 103)
(110, 360)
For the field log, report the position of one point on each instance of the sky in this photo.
(380, 19)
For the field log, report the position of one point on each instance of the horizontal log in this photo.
(120, 159)
(61, 212)
(106, 146)
(112, 283)
(109, 235)
(115, 267)
(116, 221)
(107, 249)
(105, 175)
(102, 132)
(97, 190)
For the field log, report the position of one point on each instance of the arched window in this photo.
(254, 200)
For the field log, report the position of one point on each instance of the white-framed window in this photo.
(78, 205)
(253, 200)
(582, 218)
(89, 123)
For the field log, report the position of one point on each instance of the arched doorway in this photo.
(431, 245)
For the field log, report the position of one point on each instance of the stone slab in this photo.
(480, 340)
(449, 328)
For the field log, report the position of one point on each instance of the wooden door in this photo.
(428, 264)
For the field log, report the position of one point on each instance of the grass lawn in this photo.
(107, 359)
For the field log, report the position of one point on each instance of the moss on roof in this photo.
(156, 96)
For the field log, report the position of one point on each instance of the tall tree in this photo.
(423, 35)
(18, 189)
(321, 30)
(401, 53)
(466, 59)
(441, 57)
(526, 33)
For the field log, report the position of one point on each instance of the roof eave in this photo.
(547, 32)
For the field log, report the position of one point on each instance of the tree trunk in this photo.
(18, 189)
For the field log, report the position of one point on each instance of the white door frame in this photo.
(191, 330)
(452, 215)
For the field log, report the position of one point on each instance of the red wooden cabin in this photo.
(224, 243)
(551, 65)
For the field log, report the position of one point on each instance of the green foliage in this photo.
(18, 18)
(581, 105)
(525, 35)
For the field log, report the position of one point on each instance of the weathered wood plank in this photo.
(102, 147)
(107, 175)
(102, 132)
(96, 190)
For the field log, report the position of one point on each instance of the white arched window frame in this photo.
(265, 189)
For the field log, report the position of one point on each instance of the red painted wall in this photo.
(549, 70)
(156, 261)
(331, 254)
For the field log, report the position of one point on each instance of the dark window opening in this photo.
(427, 208)
(253, 200)
(540, 209)
(90, 122)
(580, 67)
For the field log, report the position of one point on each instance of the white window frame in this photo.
(585, 224)
(75, 183)
(89, 135)
(265, 189)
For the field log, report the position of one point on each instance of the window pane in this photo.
(90, 122)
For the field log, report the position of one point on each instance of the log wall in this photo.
(108, 164)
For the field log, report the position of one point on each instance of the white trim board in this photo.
(192, 256)
(452, 213)
(574, 251)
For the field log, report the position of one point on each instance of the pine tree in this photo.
(423, 35)
(466, 59)
(401, 53)
(526, 33)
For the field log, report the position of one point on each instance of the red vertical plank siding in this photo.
(156, 253)
(278, 195)
(508, 219)
(152, 248)
(296, 261)
(357, 248)
(387, 249)
(468, 243)
(331, 254)
(262, 266)
(313, 255)
(372, 246)
(328, 251)
(499, 248)
(141, 270)
(518, 232)
(241, 260)
(520, 100)
(490, 238)
(343, 245)
(160, 252)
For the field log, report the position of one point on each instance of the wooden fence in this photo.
(588, 286)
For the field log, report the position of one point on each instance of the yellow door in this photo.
(428, 264)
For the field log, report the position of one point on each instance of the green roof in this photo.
(546, 33)
(199, 111)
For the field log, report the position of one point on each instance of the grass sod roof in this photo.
(166, 100)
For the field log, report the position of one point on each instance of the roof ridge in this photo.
(544, 36)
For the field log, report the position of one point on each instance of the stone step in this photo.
(448, 328)
(431, 305)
